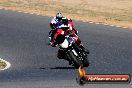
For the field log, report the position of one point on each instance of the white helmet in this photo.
(59, 15)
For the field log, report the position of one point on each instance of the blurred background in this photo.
(117, 12)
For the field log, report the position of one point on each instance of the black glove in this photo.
(54, 44)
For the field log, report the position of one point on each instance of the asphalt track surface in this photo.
(24, 43)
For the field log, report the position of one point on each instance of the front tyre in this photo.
(85, 62)
(76, 63)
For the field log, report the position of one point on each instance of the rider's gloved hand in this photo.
(53, 44)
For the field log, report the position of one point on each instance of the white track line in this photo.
(91, 22)
(25, 12)
(32, 13)
(112, 25)
(124, 27)
(106, 24)
(8, 65)
(118, 26)
(38, 14)
(19, 11)
(97, 23)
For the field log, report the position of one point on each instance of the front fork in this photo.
(81, 54)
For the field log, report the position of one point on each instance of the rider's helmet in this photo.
(59, 16)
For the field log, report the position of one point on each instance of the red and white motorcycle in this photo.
(74, 53)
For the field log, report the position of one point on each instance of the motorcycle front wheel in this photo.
(85, 62)
(76, 62)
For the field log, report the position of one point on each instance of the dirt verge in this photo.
(112, 12)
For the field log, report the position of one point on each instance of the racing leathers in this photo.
(58, 22)
(55, 23)
(65, 30)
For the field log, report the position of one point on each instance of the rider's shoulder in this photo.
(53, 21)
(54, 18)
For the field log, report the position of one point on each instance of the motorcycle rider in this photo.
(68, 26)
(67, 30)
(55, 22)
(64, 26)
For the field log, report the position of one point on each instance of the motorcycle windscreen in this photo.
(60, 38)
(64, 44)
